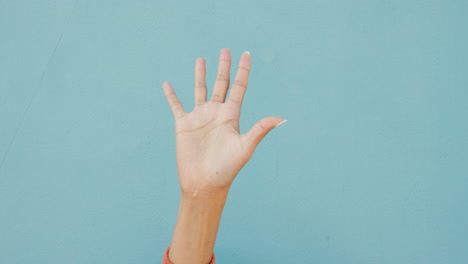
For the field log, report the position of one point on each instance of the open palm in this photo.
(210, 149)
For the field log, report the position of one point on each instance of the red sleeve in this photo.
(166, 259)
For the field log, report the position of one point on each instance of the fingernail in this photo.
(248, 52)
(280, 123)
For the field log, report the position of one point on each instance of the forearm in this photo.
(196, 227)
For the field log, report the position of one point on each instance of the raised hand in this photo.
(210, 149)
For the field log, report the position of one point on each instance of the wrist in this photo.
(203, 198)
(205, 184)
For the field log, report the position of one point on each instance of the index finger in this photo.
(239, 85)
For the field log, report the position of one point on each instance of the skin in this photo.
(210, 153)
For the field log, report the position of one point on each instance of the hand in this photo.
(210, 149)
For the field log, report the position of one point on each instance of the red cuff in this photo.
(166, 259)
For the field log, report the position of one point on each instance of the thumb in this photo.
(260, 129)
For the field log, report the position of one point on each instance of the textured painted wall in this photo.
(370, 168)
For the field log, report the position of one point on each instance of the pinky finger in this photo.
(174, 103)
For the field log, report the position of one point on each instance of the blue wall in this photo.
(370, 168)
